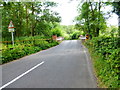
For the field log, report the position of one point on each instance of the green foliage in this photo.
(25, 48)
(90, 18)
(106, 57)
(75, 35)
(57, 31)
(29, 18)
(69, 29)
(116, 6)
(71, 32)
(111, 31)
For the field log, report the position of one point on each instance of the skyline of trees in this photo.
(91, 19)
(29, 18)
(37, 18)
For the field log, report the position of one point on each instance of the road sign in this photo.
(87, 36)
(11, 27)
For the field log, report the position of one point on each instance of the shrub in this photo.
(106, 55)
(26, 48)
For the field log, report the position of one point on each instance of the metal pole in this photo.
(12, 38)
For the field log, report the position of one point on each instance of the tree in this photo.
(29, 18)
(116, 6)
(91, 17)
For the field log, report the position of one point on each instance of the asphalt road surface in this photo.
(64, 66)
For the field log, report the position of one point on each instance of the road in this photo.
(64, 66)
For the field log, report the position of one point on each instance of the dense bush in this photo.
(105, 52)
(25, 48)
(57, 31)
(75, 35)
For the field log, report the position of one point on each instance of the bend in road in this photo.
(66, 66)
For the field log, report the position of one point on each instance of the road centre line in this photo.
(21, 75)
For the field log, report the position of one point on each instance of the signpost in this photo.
(11, 29)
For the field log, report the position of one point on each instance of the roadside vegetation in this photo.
(103, 42)
(26, 46)
(34, 23)
(106, 58)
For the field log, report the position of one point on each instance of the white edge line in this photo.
(21, 75)
(92, 78)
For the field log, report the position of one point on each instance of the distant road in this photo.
(64, 66)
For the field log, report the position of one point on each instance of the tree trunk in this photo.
(98, 28)
(27, 30)
(32, 28)
(88, 21)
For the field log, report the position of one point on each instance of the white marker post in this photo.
(11, 29)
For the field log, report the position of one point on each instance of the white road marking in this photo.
(89, 70)
(21, 75)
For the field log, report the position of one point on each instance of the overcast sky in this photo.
(68, 11)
